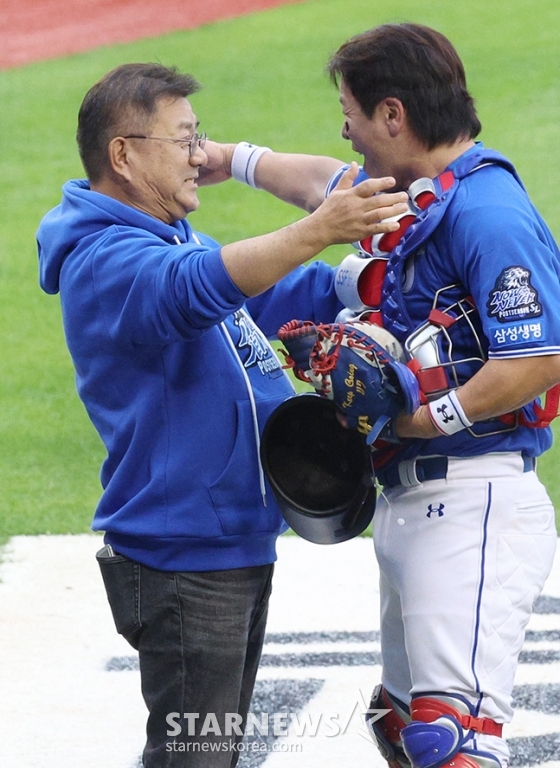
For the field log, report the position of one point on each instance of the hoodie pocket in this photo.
(236, 494)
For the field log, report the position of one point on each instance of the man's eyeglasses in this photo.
(193, 143)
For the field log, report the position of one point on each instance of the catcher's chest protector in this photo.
(393, 306)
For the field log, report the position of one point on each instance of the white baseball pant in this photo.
(462, 560)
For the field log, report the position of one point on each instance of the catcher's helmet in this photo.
(320, 472)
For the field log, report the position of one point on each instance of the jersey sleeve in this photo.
(511, 267)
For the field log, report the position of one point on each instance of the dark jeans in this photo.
(199, 637)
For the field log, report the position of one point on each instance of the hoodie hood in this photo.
(83, 214)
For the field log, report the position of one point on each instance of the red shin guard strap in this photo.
(427, 709)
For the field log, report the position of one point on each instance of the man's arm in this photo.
(499, 387)
(297, 179)
(348, 214)
(294, 178)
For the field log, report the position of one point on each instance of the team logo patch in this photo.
(513, 296)
(259, 352)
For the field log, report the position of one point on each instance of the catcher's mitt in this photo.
(358, 365)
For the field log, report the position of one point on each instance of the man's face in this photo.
(163, 174)
(369, 136)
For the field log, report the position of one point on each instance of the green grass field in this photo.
(263, 78)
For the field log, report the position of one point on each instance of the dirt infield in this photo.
(33, 30)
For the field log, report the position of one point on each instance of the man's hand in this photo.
(348, 214)
(218, 166)
(349, 211)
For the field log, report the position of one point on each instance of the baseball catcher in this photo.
(357, 365)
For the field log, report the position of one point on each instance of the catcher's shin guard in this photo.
(386, 732)
(441, 724)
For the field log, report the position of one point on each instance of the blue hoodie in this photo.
(176, 376)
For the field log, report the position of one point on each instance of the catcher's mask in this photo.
(320, 472)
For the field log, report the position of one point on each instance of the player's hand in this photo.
(218, 166)
(351, 213)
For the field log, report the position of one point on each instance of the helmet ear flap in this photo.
(320, 472)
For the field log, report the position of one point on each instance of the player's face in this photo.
(369, 136)
(164, 174)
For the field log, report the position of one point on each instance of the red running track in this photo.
(33, 30)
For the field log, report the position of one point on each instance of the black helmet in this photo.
(320, 472)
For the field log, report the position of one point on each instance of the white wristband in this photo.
(447, 414)
(244, 161)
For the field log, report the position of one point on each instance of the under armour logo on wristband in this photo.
(445, 417)
(447, 414)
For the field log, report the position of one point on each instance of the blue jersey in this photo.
(492, 245)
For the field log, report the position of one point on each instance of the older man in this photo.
(174, 368)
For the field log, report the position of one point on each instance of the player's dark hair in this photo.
(123, 102)
(416, 65)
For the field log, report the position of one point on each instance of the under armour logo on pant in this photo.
(439, 509)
